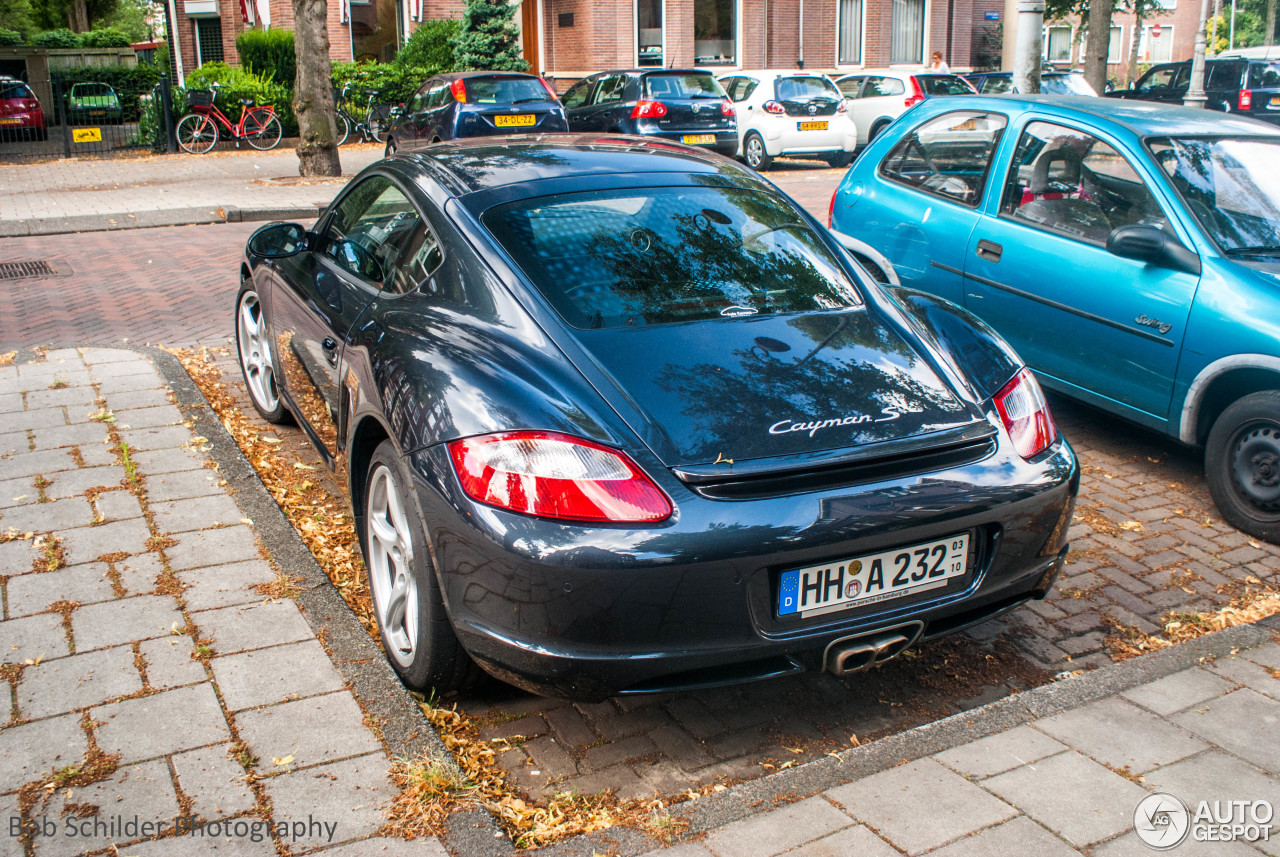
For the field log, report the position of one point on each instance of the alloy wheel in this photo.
(390, 555)
(255, 353)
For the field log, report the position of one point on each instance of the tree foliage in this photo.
(430, 46)
(488, 39)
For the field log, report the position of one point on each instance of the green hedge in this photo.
(107, 37)
(129, 82)
(269, 53)
(9, 37)
(62, 38)
(237, 83)
(430, 46)
(394, 84)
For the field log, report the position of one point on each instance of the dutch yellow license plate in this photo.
(9, 120)
(699, 139)
(813, 126)
(514, 121)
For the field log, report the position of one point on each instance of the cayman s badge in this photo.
(812, 427)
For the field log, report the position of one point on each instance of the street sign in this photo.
(1155, 31)
(991, 16)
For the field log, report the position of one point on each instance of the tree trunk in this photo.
(78, 16)
(1131, 72)
(1095, 44)
(313, 91)
(1271, 23)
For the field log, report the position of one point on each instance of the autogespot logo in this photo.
(1162, 821)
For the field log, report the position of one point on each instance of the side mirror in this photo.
(1153, 246)
(278, 240)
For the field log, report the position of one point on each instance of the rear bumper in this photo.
(726, 139)
(785, 138)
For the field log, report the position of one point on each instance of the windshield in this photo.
(625, 258)
(11, 89)
(1066, 84)
(505, 90)
(682, 86)
(1232, 187)
(944, 84)
(1264, 76)
(806, 89)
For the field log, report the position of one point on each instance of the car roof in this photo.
(643, 71)
(1144, 118)
(772, 72)
(467, 165)
(463, 75)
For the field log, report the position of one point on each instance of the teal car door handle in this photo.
(989, 250)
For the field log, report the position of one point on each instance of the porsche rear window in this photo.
(661, 255)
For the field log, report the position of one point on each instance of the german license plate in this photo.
(812, 126)
(511, 121)
(874, 578)
(699, 139)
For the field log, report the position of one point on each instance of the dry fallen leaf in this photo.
(280, 762)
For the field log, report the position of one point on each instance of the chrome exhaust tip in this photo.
(850, 655)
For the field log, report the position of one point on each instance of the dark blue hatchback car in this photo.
(476, 104)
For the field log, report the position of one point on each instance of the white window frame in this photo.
(635, 23)
(1145, 54)
(1115, 46)
(924, 38)
(737, 42)
(862, 38)
(1070, 35)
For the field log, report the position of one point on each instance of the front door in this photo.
(1038, 270)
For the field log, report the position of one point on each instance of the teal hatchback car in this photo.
(1129, 251)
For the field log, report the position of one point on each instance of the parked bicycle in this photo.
(371, 126)
(197, 132)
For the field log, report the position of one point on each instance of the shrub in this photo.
(430, 46)
(269, 53)
(62, 38)
(240, 83)
(9, 37)
(107, 37)
(394, 84)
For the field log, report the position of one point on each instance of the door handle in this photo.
(989, 250)
(330, 347)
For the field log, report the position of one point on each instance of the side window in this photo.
(851, 87)
(418, 259)
(1070, 182)
(881, 86)
(948, 156)
(577, 94)
(996, 85)
(369, 228)
(1182, 81)
(1264, 76)
(419, 99)
(1158, 78)
(749, 85)
(730, 85)
(1223, 75)
(611, 88)
(437, 95)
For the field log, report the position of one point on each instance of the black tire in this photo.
(876, 129)
(265, 135)
(343, 126)
(391, 147)
(1242, 464)
(755, 154)
(840, 160)
(433, 659)
(253, 350)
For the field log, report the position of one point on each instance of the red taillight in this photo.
(553, 475)
(1246, 99)
(917, 94)
(842, 106)
(727, 108)
(459, 90)
(774, 107)
(1025, 415)
(551, 89)
(648, 110)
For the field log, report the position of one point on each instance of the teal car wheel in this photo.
(1242, 463)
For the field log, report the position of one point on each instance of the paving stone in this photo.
(1105, 730)
(1072, 795)
(95, 455)
(138, 573)
(1215, 776)
(198, 844)
(47, 517)
(18, 492)
(317, 729)
(1130, 845)
(126, 620)
(158, 437)
(777, 830)
(30, 750)
(135, 382)
(9, 844)
(183, 484)
(995, 754)
(32, 637)
(229, 544)
(1178, 691)
(35, 419)
(1244, 672)
(352, 794)
(17, 557)
(270, 675)
(97, 358)
(215, 782)
(71, 483)
(80, 397)
(79, 434)
(118, 506)
(181, 516)
(1267, 656)
(216, 586)
(68, 684)
(1235, 722)
(129, 400)
(84, 544)
(144, 791)
(162, 723)
(955, 805)
(376, 846)
(169, 662)
(1016, 838)
(33, 593)
(168, 461)
(15, 442)
(685, 849)
(254, 626)
(622, 750)
(160, 415)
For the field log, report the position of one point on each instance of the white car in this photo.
(794, 113)
(878, 96)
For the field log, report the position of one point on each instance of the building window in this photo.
(1115, 45)
(715, 27)
(850, 32)
(1057, 44)
(208, 40)
(649, 28)
(906, 45)
(1156, 48)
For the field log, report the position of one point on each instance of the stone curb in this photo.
(149, 219)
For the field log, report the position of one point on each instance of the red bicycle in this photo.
(198, 131)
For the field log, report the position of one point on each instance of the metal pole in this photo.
(1195, 96)
(1028, 49)
(1231, 42)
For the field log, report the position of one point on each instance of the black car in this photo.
(1233, 85)
(1051, 83)
(684, 105)
(476, 104)
(618, 415)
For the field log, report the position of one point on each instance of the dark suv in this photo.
(1233, 85)
(684, 105)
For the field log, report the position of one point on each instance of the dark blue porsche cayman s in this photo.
(619, 416)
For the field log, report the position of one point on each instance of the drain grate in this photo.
(19, 270)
